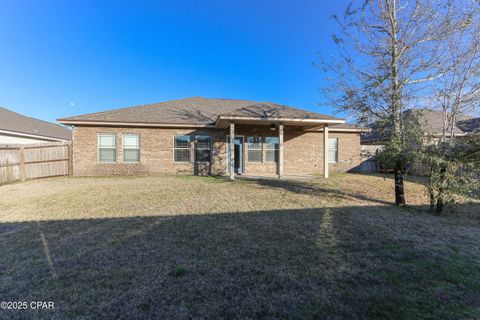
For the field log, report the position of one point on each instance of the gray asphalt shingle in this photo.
(15, 122)
(198, 111)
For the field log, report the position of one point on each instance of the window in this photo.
(254, 149)
(203, 148)
(181, 147)
(271, 149)
(333, 150)
(131, 148)
(106, 147)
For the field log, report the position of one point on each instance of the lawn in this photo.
(209, 248)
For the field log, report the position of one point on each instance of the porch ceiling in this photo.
(224, 121)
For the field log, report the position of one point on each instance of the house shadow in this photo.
(330, 263)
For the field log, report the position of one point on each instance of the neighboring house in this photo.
(430, 121)
(470, 126)
(19, 129)
(212, 136)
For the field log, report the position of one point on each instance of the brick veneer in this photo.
(303, 151)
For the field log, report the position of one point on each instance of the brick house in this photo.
(212, 136)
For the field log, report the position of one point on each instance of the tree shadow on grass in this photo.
(305, 187)
(333, 263)
(464, 210)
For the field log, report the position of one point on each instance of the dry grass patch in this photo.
(190, 247)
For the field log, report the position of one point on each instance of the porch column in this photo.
(325, 151)
(232, 151)
(280, 151)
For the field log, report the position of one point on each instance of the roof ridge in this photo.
(150, 104)
(433, 110)
(175, 111)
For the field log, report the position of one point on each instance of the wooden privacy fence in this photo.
(22, 162)
(369, 158)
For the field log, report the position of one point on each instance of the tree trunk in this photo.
(440, 205)
(399, 191)
(440, 202)
(395, 102)
(395, 98)
(431, 193)
(445, 125)
(452, 130)
(432, 201)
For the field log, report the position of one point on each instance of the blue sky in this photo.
(62, 58)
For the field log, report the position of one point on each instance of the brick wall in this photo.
(303, 151)
(349, 152)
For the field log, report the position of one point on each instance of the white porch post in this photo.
(280, 151)
(232, 151)
(325, 151)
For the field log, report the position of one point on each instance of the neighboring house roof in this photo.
(349, 127)
(471, 125)
(15, 123)
(198, 111)
(430, 121)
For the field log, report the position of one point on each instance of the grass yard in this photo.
(208, 248)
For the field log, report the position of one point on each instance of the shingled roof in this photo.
(198, 111)
(471, 125)
(16, 123)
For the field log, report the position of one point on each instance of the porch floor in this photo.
(275, 177)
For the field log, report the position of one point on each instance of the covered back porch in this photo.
(278, 128)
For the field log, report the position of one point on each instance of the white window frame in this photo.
(189, 148)
(196, 148)
(255, 149)
(99, 147)
(129, 148)
(333, 150)
(276, 149)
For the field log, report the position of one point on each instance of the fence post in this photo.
(70, 158)
(21, 155)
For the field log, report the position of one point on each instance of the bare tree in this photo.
(451, 165)
(458, 90)
(389, 51)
